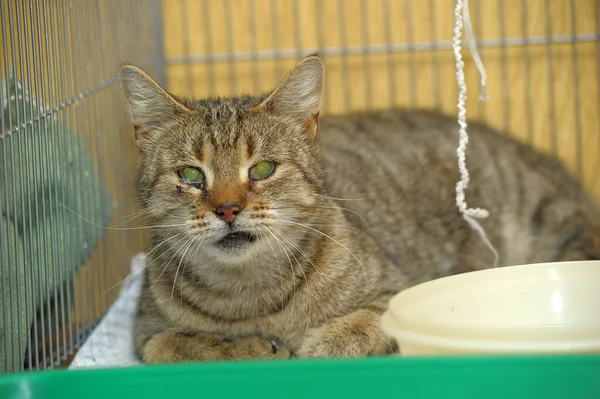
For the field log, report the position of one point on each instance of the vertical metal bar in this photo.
(551, 97)
(185, 31)
(103, 126)
(159, 43)
(69, 87)
(119, 185)
(17, 363)
(254, 46)
(321, 42)
(12, 263)
(504, 67)
(387, 10)
(60, 216)
(83, 130)
(134, 35)
(100, 73)
(435, 75)
(36, 146)
(297, 29)
(230, 48)
(48, 218)
(526, 57)
(344, 44)
(210, 69)
(119, 52)
(412, 65)
(114, 157)
(577, 99)
(60, 53)
(95, 22)
(275, 33)
(73, 78)
(479, 33)
(598, 64)
(91, 123)
(25, 66)
(6, 268)
(364, 14)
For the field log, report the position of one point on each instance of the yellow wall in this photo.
(413, 73)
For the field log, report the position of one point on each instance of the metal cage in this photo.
(69, 220)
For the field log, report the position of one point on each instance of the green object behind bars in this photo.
(481, 378)
(42, 242)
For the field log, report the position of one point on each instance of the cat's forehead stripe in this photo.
(199, 149)
(250, 147)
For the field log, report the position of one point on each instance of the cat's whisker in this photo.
(341, 226)
(308, 290)
(331, 207)
(338, 198)
(139, 214)
(276, 260)
(179, 266)
(167, 250)
(131, 275)
(134, 216)
(285, 251)
(345, 209)
(118, 228)
(171, 258)
(323, 275)
(332, 239)
(197, 245)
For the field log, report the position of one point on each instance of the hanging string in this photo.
(461, 16)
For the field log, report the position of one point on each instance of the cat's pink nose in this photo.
(228, 211)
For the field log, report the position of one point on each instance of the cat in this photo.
(278, 234)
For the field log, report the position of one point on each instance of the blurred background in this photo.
(67, 155)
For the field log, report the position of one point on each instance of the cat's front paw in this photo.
(355, 335)
(171, 347)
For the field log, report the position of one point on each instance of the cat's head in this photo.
(230, 178)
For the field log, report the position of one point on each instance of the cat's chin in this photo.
(235, 241)
(236, 247)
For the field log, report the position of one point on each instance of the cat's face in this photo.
(229, 179)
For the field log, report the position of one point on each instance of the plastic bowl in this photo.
(546, 308)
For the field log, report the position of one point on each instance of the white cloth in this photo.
(110, 344)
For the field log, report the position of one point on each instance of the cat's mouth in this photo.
(235, 240)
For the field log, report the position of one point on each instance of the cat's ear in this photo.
(149, 104)
(298, 96)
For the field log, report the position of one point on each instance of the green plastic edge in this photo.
(453, 377)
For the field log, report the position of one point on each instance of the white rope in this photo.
(469, 214)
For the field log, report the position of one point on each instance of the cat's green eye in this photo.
(191, 175)
(262, 170)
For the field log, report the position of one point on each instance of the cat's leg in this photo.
(156, 340)
(173, 346)
(357, 334)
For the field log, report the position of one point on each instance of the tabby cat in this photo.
(276, 233)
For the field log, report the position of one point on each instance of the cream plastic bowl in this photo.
(540, 308)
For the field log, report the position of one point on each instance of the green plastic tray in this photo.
(474, 377)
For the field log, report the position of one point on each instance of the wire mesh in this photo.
(67, 166)
(68, 155)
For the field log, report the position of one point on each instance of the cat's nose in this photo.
(228, 211)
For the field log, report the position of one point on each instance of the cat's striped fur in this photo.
(358, 208)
